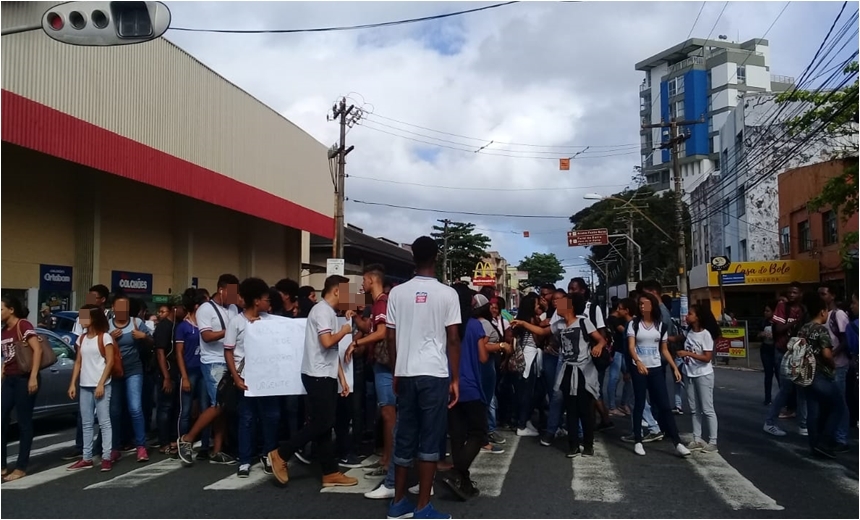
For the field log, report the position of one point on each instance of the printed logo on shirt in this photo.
(421, 297)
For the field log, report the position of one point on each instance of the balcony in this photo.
(693, 60)
(644, 88)
(788, 80)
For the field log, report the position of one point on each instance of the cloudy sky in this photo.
(554, 76)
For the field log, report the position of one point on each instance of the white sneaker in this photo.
(525, 432)
(774, 430)
(696, 446)
(414, 490)
(380, 493)
(682, 450)
(638, 449)
(803, 432)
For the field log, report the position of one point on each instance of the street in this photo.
(753, 476)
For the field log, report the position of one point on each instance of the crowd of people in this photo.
(438, 372)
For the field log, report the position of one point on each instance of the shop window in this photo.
(831, 228)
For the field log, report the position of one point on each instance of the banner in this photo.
(733, 343)
(132, 284)
(55, 278)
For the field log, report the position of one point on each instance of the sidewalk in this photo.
(741, 363)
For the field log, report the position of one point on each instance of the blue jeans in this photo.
(422, 410)
(166, 416)
(488, 386)
(102, 407)
(186, 403)
(383, 380)
(212, 374)
(841, 377)
(768, 362)
(612, 374)
(556, 399)
(266, 411)
(785, 388)
(16, 395)
(822, 393)
(127, 391)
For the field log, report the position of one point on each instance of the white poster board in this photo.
(347, 367)
(274, 348)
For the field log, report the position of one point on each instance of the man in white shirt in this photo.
(321, 370)
(212, 319)
(423, 321)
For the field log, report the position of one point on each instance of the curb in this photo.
(737, 369)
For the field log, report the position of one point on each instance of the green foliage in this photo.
(465, 248)
(542, 269)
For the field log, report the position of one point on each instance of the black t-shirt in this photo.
(163, 339)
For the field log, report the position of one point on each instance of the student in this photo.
(321, 369)
(768, 354)
(696, 356)
(191, 383)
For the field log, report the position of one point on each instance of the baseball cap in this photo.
(479, 300)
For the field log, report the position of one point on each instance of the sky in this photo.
(539, 80)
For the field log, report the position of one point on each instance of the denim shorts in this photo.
(212, 374)
(422, 410)
(383, 382)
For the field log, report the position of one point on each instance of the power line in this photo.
(472, 213)
(483, 188)
(702, 8)
(345, 27)
(715, 23)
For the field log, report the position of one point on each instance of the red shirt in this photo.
(783, 315)
(377, 317)
(8, 345)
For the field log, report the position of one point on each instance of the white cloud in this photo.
(552, 74)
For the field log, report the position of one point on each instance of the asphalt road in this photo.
(753, 476)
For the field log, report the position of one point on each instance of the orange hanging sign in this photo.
(564, 164)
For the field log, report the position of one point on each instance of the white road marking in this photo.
(836, 472)
(364, 484)
(729, 484)
(140, 476)
(42, 451)
(233, 482)
(489, 470)
(43, 477)
(595, 479)
(39, 438)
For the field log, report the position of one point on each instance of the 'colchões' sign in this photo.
(131, 283)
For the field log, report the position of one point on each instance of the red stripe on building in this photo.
(33, 125)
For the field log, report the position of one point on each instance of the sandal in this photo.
(15, 475)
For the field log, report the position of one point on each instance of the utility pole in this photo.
(340, 112)
(445, 250)
(630, 253)
(674, 143)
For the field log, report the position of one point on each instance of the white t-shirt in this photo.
(598, 315)
(319, 361)
(648, 342)
(207, 319)
(698, 343)
(92, 362)
(234, 339)
(419, 311)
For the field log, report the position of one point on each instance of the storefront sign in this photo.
(779, 272)
(733, 343)
(159, 299)
(484, 275)
(55, 278)
(131, 283)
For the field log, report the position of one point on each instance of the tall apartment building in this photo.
(698, 79)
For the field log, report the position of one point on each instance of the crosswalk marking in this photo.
(489, 470)
(37, 439)
(43, 477)
(233, 482)
(140, 476)
(364, 484)
(42, 451)
(727, 482)
(837, 472)
(595, 479)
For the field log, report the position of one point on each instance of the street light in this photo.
(101, 24)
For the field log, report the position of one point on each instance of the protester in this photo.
(697, 355)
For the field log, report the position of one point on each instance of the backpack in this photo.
(833, 325)
(607, 335)
(851, 338)
(798, 364)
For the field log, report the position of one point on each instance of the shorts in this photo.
(383, 381)
(212, 374)
(422, 411)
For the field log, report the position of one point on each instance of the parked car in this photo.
(53, 398)
(65, 325)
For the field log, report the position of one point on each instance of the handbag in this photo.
(227, 394)
(516, 362)
(24, 352)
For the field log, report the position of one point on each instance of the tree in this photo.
(659, 253)
(542, 269)
(838, 111)
(465, 248)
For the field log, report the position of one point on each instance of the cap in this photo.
(479, 300)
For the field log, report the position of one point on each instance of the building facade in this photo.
(139, 168)
(697, 79)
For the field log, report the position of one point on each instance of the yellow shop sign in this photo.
(778, 272)
(484, 275)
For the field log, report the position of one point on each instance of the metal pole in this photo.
(445, 252)
(629, 249)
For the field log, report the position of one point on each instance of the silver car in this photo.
(53, 397)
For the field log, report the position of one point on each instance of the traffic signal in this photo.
(106, 23)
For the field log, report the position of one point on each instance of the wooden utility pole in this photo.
(445, 250)
(340, 112)
(674, 143)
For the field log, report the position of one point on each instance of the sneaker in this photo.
(803, 432)
(73, 454)
(371, 467)
(267, 466)
(350, 461)
(338, 480)
(429, 511)
(222, 458)
(464, 489)
(546, 439)
(638, 449)
(603, 427)
(526, 432)
(774, 430)
(678, 411)
(380, 493)
(115, 455)
(204, 455)
(402, 509)
(628, 438)
(492, 448)
(710, 448)
(573, 453)
(588, 451)
(653, 437)
(681, 450)
(186, 452)
(142, 454)
(414, 490)
(561, 432)
(376, 473)
(244, 471)
(279, 467)
(81, 464)
(303, 457)
(495, 438)
(696, 446)
(106, 466)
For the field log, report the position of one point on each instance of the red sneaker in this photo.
(115, 455)
(106, 466)
(142, 455)
(81, 464)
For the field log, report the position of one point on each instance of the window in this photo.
(716, 163)
(742, 201)
(803, 237)
(679, 109)
(710, 104)
(831, 230)
(672, 88)
(729, 252)
(726, 212)
(785, 241)
(742, 74)
(710, 124)
(743, 245)
(709, 80)
(679, 84)
(725, 159)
